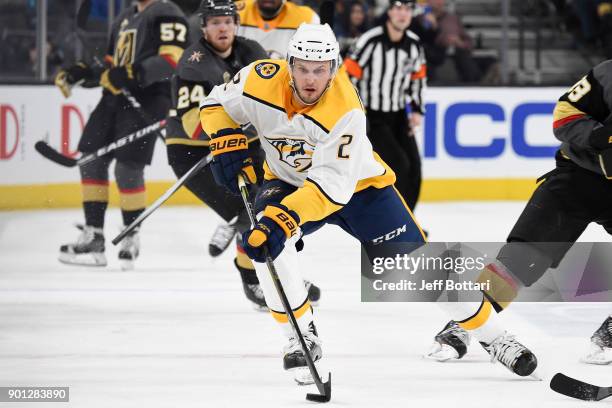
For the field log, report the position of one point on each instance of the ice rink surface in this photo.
(178, 332)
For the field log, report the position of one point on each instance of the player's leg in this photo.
(413, 178)
(555, 216)
(132, 159)
(132, 201)
(89, 247)
(383, 130)
(226, 205)
(287, 268)
(600, 350)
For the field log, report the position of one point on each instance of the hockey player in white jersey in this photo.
(320, 168)
(272, 23)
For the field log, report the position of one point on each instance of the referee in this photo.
(387, 65)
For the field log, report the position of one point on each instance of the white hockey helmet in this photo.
(314, 42)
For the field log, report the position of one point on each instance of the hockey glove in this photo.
(277, 225)
(231, 157)
(117, 78)
(601, 140)
(66, 78)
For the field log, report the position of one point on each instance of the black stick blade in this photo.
(50, 153)
(571, 387)
(326, 396)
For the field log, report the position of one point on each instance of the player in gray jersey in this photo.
(217, 56)
(576, 193)
(146, 42)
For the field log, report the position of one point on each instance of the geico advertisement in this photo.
(488, 132)
(466, 133)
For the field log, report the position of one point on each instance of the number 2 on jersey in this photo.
(343, 152)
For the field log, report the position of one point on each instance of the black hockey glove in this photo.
(117, 78)
(601, 140)
(66, 78)
(230, 150)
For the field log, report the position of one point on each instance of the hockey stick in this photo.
(324, 388)
(571, 387)
(50, 153)
(162, 199)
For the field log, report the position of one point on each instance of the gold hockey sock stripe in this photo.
(95, 190)
(503, 288)
(282, 317)
(479, 318)
(132, 199)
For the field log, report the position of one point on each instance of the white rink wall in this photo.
(476, 143)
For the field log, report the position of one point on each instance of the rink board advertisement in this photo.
(476, 144)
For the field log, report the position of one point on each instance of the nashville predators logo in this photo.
(125, 48)
(266, 70)
(293, 152)
(272, 191)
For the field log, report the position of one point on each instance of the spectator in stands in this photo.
(425, 25)
(452, 37)
(595, 18)
(352, 23)
(55, 58)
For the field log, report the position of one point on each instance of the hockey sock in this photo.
(132, 194)
(94, 212)
(290, 277)
(245, 266)
(94, 187)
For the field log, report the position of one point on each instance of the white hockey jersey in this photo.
(274, 35)
(322, 149)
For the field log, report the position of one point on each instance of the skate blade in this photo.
(259, 308)
(536, 376)
(441, 353)
(595, 361)
(302, 376)
(83, 259)
(126, 264)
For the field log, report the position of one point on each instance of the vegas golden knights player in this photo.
(217, 56)
(573, 195)
(146, 42)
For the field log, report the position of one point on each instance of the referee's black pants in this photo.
(394, 141)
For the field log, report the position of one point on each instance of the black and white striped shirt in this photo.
(388, 74)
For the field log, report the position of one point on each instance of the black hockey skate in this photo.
(129, 251)
(601, 345)
(294, 359)
(221, 239)
(88, 250)
(512, 354)
(252, 290)
(450, 343)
